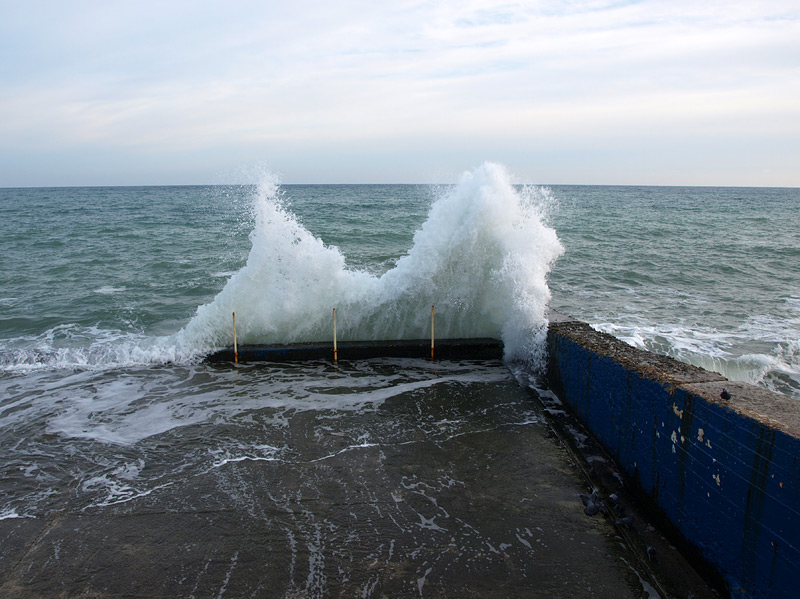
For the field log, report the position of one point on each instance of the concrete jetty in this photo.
(555, 497)
(450, 483)
(716, 461)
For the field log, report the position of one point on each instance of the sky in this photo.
(675, 92)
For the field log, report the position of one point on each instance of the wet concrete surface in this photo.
(452, 490)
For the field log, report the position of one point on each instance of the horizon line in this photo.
(131, 186)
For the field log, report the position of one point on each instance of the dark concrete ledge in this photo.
(645, 363)
(725, 473)
(445, 349)
(775, 411)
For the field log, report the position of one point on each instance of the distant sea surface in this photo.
(110, 297)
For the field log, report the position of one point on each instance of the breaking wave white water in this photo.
(71, 346)
(777, 368)
(481, 257)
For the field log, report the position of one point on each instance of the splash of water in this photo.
(776, 367)
(481, 257)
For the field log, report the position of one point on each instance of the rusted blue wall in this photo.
(725, 473)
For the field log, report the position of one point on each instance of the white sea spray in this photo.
(481, 258)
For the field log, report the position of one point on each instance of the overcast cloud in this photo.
(673, 92)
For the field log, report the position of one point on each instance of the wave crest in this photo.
(481, 257)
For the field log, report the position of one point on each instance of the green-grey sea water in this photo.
(708, 275)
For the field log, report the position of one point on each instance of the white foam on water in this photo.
(265, 453)
(481, 257)
(115, 491)
(123, 409)
(76, 347)
(108, 290)
(776, 366)
(9, 513)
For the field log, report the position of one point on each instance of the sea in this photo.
(110, 298)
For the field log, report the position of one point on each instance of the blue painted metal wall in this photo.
(729, 483)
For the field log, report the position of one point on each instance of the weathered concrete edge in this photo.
(725, 474)
(444, 349)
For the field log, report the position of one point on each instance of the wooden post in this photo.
(235, 348)
(432, 322)
(335, 352)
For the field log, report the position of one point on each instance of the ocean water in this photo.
(98, 278)
(710, 276)
(110, 298)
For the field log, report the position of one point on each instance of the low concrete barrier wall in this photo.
(724, 472)
(445, 349)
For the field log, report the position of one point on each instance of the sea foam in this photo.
(481, 258)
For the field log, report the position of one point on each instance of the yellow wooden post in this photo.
(335, 352)
(235, 348)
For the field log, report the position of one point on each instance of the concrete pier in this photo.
(441, 487)
(462, 490)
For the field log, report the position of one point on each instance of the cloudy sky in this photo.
(584, 91)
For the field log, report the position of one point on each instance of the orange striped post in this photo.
(335, 352)
(235, 348)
